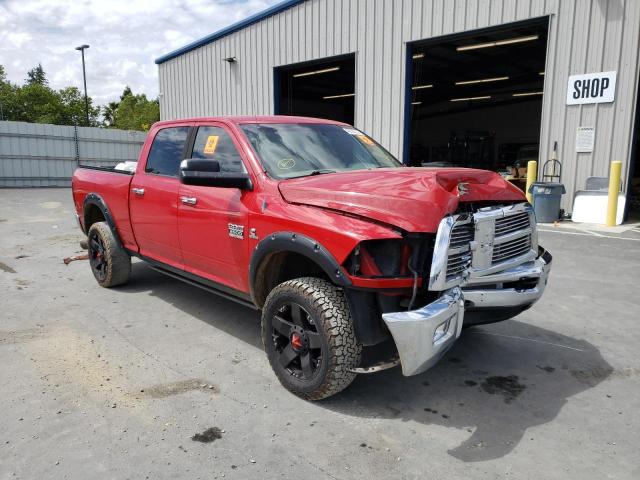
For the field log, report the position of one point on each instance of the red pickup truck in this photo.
(357, 262)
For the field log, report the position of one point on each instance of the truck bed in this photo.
(113, 187)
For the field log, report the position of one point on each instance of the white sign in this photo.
(585, 137)
(591, 88)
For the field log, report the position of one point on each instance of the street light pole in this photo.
(84, 77)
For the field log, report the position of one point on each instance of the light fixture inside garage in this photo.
(465, 99)
(498, 43)
(422, 87)
(416, 103)
(526, 94)
(317, 72)
(482, 80)
(344, 95)
(417, 56)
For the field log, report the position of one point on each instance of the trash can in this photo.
(545, 197)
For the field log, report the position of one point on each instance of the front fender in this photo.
(301, 244)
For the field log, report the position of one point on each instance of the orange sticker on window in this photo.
(210, 146)
(364, 139)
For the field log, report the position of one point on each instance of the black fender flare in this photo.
(93, 199)
(296, 243)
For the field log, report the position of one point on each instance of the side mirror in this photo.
(206, 173)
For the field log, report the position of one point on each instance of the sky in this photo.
(125, 38)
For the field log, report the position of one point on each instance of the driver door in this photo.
(212, 221)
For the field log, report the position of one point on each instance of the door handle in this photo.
(189, 200)
(138, 191)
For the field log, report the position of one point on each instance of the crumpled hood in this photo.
(413, 199)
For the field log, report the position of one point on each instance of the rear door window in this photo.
(216, 144)
(167, 151)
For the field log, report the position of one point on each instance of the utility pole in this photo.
(84, 77)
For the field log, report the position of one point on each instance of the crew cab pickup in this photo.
(356, 261)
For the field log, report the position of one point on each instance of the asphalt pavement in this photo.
(159, 379)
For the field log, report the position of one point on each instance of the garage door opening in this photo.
(476, 100)
(633, 201)
(322, 89)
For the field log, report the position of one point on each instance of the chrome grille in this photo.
(457, 262)
(461, 235)
(511, 249)
(459, 255)
(512, 223)
(488, 241)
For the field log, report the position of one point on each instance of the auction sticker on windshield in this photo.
(364, 139)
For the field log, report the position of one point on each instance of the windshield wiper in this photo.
(321, 171)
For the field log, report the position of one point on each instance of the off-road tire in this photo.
(329, 310)
(117, 262)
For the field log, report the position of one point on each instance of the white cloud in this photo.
(125, 36)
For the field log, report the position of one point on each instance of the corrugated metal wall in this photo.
(584, 36)
(42, 155)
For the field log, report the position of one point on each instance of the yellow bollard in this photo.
(614, 189)
(532, 174)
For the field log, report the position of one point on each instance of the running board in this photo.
(207, 288)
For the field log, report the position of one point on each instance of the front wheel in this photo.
(308, 334)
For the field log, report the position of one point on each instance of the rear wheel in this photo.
(308, 335)
(110, 263)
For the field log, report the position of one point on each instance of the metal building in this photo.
(484, 83)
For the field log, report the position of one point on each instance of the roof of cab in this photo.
(251, 119)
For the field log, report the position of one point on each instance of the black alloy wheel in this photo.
(97, 258)
(110, 263)
(296, 340)
(308, 335)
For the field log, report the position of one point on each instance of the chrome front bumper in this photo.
(489, 291)
(424, 335)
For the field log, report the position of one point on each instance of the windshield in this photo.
(289, 150)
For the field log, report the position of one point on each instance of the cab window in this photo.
(216, 144)
(167, 151)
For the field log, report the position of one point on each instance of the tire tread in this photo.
(337, 325)
(118, 260)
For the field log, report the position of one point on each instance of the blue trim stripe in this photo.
(277, 8)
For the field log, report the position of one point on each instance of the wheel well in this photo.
(92, 214)
(278, 267)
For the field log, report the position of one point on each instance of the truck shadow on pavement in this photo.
(497, 381)
(238, 320)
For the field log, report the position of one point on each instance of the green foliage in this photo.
(36, 102)
(109, 113)
(132, 112)
(37, 76)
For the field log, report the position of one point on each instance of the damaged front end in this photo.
(482, 266)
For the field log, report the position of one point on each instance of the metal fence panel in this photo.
(42, 155)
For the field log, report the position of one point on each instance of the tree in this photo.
(126, 92)
(7, 96)
(134, 112)
(73, 108)
(109, 113)
(36, 102)
(37, 76)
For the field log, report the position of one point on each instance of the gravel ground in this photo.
(159, 379)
